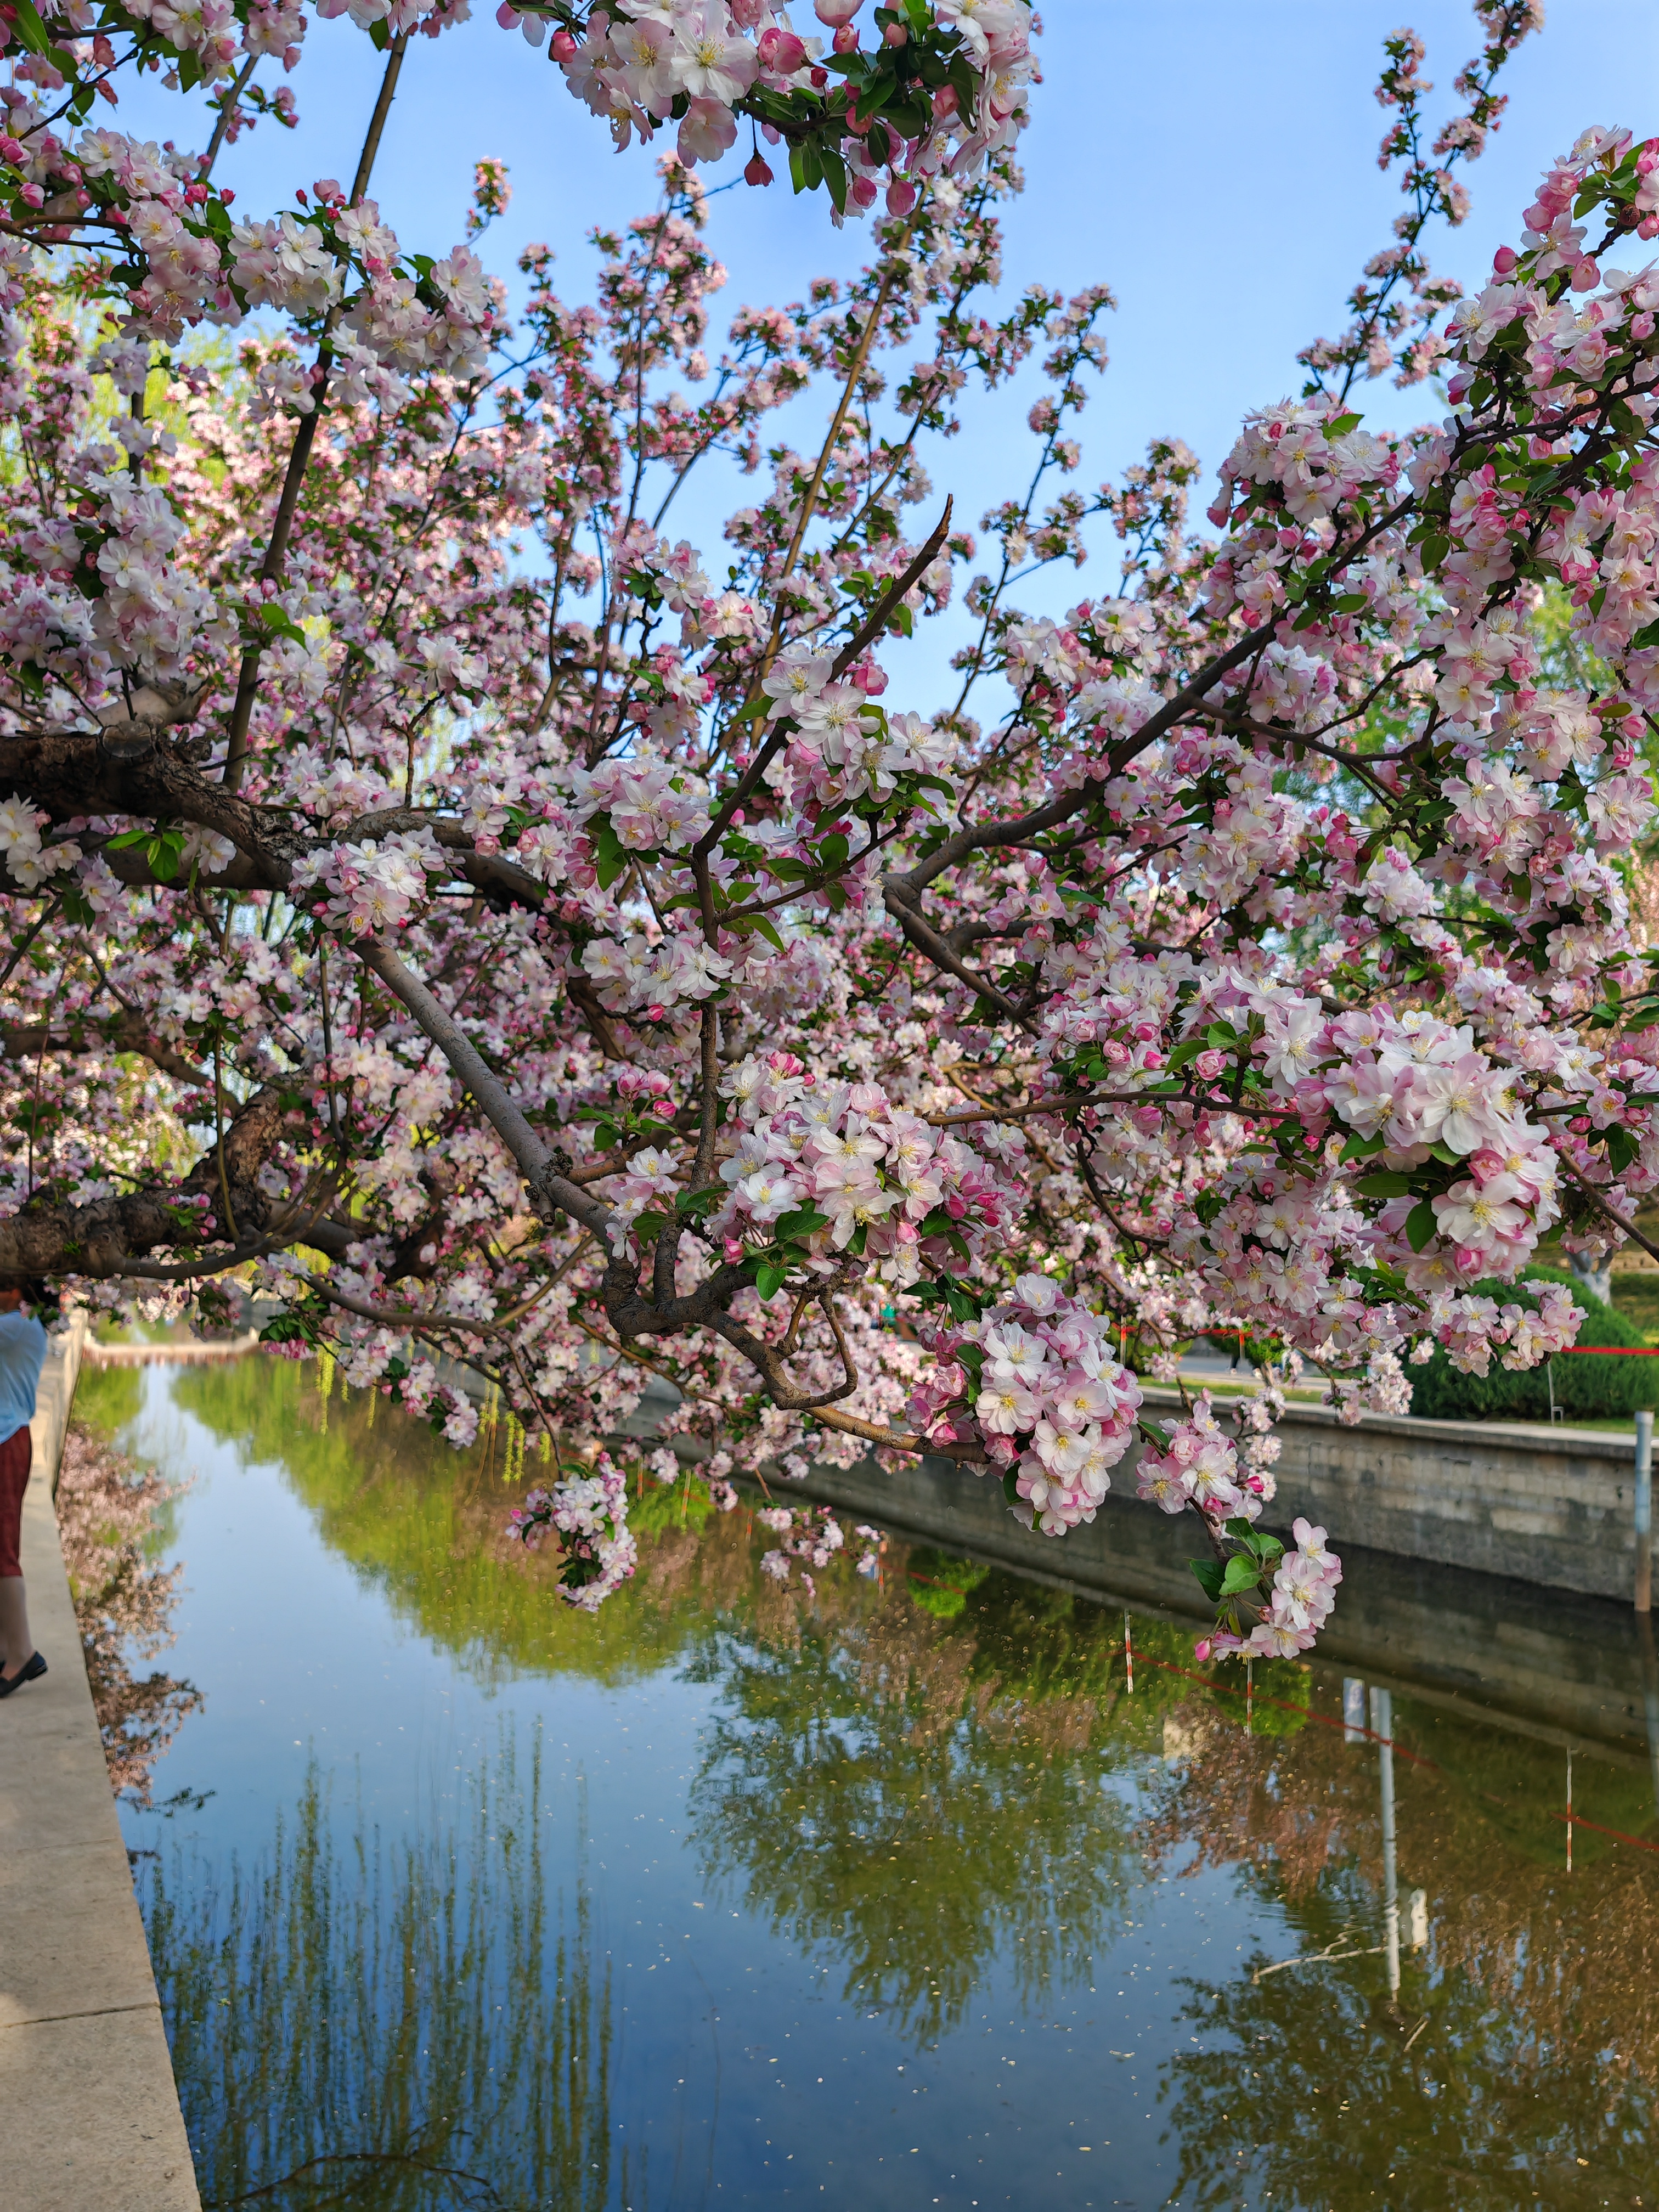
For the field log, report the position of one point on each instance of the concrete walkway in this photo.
(91, 2120)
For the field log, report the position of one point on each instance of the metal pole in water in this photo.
(1383, 1728)
(1651, 1696)
(1128, 1655)
(1353, 1710)
(1644, 1512)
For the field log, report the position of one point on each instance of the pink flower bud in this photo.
(901, 195)
(944, 100)
(846, 40)
(1210, 1065)
(862, 191)
(835, 13)
(564, 46)
(756, 170)
(896, 35)
(746, 13)
(1504, 260)
(780, 53)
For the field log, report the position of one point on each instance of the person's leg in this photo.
(14, 1641)
(15, 1647)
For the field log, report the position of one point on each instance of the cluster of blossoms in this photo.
(1297, 1602)
(588, 1513)
(941, 86)
(373, 885)
(1034, 1383)
(1202, 1468)
(851, 1172)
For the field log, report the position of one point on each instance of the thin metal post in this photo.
(1129, 1654)
(1644, 1512)
(1383, 1728)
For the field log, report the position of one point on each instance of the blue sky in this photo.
(1214, 164)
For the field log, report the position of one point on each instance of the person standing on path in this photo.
(22, 1354)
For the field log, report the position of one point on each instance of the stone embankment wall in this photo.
(1554, 1506)
(1566, 1666)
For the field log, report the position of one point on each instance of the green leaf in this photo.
(760, 923)
(834, 172)
(31, 29)
(1360, 1148)
(1384, 1183)
(1243, 1574)
(1622, 1149)
(1420, 1224)
(768, 1279)
(800, 1224)
(1209, 1574)
(289, 1328)
(610, 855)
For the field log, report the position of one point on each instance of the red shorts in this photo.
(14, 1456)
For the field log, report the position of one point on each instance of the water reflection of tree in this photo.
(894, 1801)
(107, 1511)
(391, 2028)
(1525, 2034)
(424, 1525)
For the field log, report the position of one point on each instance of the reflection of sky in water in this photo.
(855, 1954)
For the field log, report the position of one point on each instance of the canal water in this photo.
(922, 1892)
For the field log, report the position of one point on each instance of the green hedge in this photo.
(1585, 1389)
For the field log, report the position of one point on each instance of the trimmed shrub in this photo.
(1585, 1389)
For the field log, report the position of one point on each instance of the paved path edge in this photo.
(90, 2115)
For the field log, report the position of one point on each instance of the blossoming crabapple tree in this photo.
(438, 902)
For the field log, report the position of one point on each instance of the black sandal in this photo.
(31, 1670)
